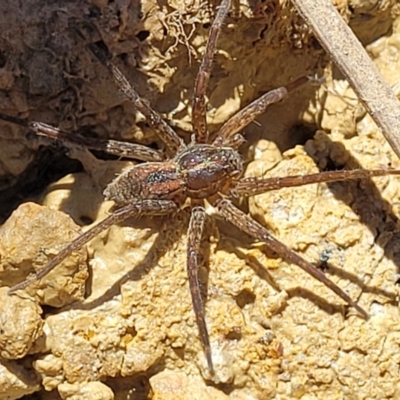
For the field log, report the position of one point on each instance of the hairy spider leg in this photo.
(198, 214)
(248, 114)
(253, 186)
(173, 142)
(199, 118)
(143, 207)
(194, 234)
(115, 147)
(248, 225)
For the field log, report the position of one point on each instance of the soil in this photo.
(275, 332)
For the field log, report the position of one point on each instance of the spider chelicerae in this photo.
(208, 169)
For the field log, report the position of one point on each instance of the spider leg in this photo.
(195, 231)
(118, 148)
(253, 186)
(199, 121)
(248, 114)
(251, 227)
(143, 207)
(163, 130)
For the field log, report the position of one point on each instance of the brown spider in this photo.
(202, 171)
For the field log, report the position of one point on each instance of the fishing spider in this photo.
(202, 171)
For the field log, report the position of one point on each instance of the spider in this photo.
(207, 170)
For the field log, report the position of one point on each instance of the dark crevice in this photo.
(143, 35)
(49, 165)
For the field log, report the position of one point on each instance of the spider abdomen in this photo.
(146, 181)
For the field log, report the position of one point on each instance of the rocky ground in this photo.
(115, 321)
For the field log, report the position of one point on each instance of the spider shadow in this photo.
(163, 243)
(262, 271)
(378, 216)
(24, 375)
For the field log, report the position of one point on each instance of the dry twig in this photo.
(351, 58)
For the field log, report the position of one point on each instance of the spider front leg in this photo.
(253, 186)
(160, 127)
(143, 207)
(248, 114)
(254, 229)
(195, 232)
(118, 148)
(199, 121)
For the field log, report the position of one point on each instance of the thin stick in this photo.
(351, 58)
